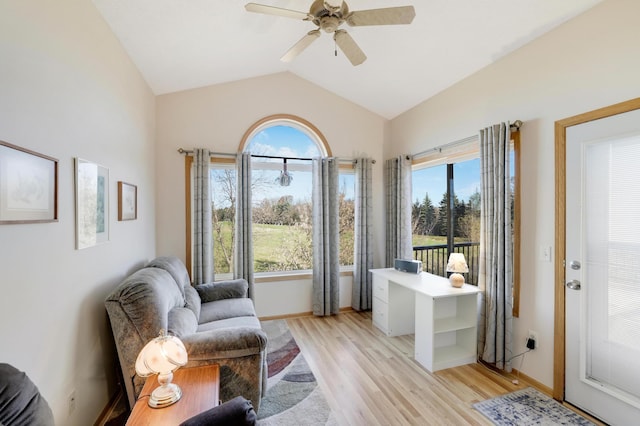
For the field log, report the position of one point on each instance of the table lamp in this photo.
(162, 356)
(457, 264)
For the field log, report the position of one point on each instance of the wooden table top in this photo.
(200, 392)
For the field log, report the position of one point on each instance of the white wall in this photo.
(589, 62)
(68, 90)
(216, 117)
(292, 297)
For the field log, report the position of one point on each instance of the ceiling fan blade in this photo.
(386, 16)
(302, 44)
(349, 47)
(278, 11)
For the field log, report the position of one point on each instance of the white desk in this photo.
(443, 318)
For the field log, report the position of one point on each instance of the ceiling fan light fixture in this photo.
(329, 15)
(330, 24)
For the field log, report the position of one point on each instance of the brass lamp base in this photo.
(456, 280)
(165, 395)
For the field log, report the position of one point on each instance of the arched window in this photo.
(282, 147)
(293, 129)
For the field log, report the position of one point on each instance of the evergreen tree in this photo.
(459, 212)
(427, 216)
(440, 227)
(415, 218)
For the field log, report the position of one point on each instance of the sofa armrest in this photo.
(225, 343)
(237, 411)
(231, 289)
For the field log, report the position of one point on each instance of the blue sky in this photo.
(285, 141)
(433, 180)
(288, 141)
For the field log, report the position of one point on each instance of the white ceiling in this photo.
(184, 44)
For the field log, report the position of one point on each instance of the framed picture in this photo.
(127, 201)
(28, 186)
(92, 204)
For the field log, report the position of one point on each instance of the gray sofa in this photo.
(216, 322)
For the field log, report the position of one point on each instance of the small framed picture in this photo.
(127, 201)
(28, 186)
(92, 204)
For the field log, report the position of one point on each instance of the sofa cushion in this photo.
(226, 308)
(192, 300)
(247, 321)
(181, 322)
(223, 290)
(175, 267)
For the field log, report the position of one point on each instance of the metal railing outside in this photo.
(434, 259)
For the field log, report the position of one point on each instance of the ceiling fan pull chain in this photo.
(335, 48)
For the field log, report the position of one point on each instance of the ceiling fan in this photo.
(329, 15)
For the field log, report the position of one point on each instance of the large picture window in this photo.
(446, 215)
(281, 188)
(446, 209)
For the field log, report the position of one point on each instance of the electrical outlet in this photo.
(72, 401)
(534, 336)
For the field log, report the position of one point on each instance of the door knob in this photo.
(574, 285)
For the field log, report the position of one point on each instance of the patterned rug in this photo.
(528, 407)
(293, 396)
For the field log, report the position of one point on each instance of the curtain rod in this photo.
(515, 126)
(214, 154)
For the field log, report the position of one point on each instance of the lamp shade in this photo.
(164, 354)
(457, 263)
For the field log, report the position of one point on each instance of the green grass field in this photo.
(282, 247)
(277, 248)
(428, 240)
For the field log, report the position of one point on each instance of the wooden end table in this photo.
(200, 392)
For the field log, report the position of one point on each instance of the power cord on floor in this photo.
(516, 356)
(515, 381)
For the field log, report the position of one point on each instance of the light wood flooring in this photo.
(371, 379)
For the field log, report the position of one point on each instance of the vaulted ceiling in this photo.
(184, 44)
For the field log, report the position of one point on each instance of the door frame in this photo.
(560, 225)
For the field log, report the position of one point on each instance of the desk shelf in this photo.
(452, 356)
(444, 325)
(443, 318)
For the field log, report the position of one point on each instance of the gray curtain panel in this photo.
(202, 227)
(363, 236)
(326, 265)
(496, 249)
(398, 209)
(243, 255)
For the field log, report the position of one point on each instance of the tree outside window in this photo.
(452, 223)
(446, 215)
(282, 228)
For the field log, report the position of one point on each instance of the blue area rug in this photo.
(528, 407)
(293, 396)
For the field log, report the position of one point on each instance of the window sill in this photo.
(268, 277)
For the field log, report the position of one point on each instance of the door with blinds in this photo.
(602, 268)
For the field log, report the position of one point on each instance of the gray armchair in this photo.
(20, 400)
(216, 322)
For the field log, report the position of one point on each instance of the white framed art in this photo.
(92, 204)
